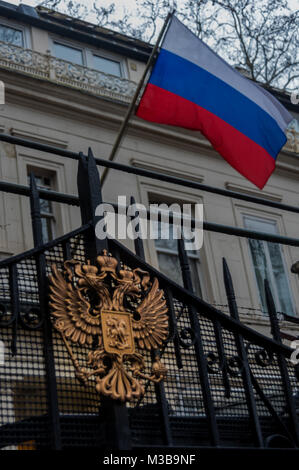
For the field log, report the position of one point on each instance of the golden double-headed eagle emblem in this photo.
(114, 311)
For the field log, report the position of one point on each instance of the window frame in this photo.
(88, 53)
(269, 261)
(240, 209)
(70, 46)
(20, 27)
(193, 255)
(146, 192)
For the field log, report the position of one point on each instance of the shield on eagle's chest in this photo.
(80, 318)
(117, 332)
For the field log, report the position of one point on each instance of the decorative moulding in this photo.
(167, 171)
(286, 167)
(253, 192)
(38, 138)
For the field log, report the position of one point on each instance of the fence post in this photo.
(15, 304)
(159, 387)
(245, 372)
(47, 327)
(114, 414)
(199, 350)
(90, 196)
(275, 330)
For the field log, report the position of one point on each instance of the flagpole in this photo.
(136, 94)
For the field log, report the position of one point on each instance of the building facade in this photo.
(67, 84)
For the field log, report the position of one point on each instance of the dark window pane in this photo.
(47, 229)
(261, 268)
(193, 262)
(45, 206)
(170, 266)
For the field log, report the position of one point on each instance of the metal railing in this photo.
(240, 386)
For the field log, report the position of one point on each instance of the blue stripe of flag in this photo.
(185, 79)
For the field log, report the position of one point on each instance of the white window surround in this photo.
(25, 30)
(89, 52)
(148, 192)
(62, 215)
(267, 214)
(284, 302)
(60, 50)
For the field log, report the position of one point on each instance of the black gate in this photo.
(227, 385)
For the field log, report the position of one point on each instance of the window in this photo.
(45, 181)
(88, 58)
(105, 65)
(268, 264)
(71, 54)
(11, 35)
(168, 258)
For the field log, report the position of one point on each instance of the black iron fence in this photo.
(227, 385)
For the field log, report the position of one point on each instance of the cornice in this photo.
(39, 138)
(167, 171)
(253, 192)
(109, 114)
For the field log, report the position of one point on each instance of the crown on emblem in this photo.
(107, 263)
(89, 270)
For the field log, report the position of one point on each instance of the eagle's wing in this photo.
(152, 327)
(71, 310)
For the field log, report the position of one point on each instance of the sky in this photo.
(121, 5)
(129, 4)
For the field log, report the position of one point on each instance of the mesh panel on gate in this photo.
(24, 406)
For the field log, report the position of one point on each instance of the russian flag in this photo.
(192, 87)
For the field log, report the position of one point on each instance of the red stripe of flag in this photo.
(245, 155)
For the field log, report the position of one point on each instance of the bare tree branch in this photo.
(260, 36)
